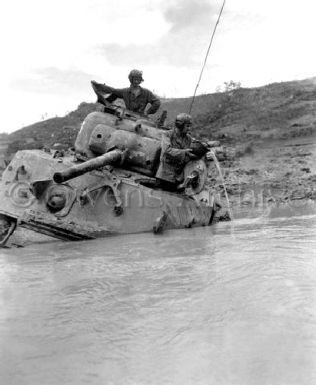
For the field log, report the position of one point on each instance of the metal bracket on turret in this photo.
(118, 208)
(119, 113)
(111, 182)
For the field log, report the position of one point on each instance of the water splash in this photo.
(223, 182)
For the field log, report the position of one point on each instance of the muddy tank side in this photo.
(91, 201)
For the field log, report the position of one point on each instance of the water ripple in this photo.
(229, 304)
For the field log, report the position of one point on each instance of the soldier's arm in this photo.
(154, 101)
(175, 155)
(98, 87)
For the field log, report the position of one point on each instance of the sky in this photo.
(52, 49)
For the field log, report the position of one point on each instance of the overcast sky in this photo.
(51, 49)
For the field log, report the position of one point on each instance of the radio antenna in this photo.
(206, 56)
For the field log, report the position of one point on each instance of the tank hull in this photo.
(100, 203)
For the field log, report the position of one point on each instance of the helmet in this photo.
(135, 73)
(183, 119)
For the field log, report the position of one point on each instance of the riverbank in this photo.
(274, 173)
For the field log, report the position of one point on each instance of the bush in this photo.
(229, 86)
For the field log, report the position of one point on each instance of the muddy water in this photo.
(231, 304)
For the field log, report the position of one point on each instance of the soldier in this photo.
(175, 151)
(135, 97)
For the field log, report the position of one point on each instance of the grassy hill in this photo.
(275, 111)
(51, 131)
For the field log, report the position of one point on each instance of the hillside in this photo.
(268, 133)
(51, 131)
(275, 111)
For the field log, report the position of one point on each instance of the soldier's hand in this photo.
(190, 155)
(210, 155)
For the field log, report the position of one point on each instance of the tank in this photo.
(106, 187)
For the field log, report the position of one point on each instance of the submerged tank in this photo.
(106, 187)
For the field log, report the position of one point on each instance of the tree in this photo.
(228, 86)
(231, 86)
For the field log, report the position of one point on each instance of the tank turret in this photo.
(140, 138)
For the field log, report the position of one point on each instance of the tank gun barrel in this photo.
(111, 157)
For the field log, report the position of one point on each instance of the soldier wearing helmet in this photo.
(183, 122)
(136, 98)
(175, 150)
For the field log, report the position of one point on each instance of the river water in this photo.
(230, 304)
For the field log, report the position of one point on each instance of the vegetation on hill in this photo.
(275, 111)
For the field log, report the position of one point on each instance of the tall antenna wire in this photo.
(206, 56)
